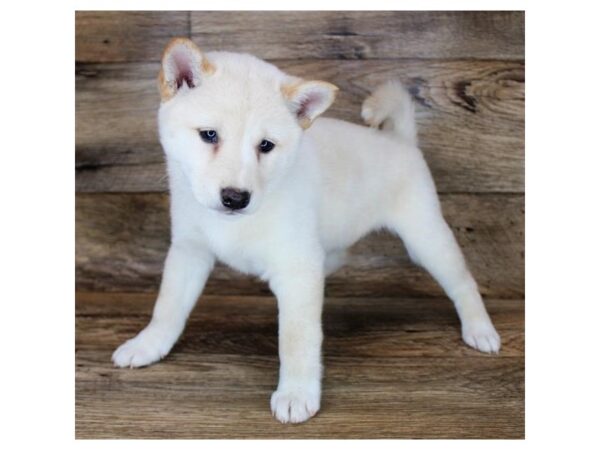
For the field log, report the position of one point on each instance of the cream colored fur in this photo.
(313, 196)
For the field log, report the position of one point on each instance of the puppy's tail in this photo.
(390, 107)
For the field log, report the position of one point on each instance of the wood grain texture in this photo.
(470, 116)
(116, 36)
(362, 34)
(122, 239)
(394, 368)
(111, 36)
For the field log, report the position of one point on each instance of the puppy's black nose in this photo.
(234, 198)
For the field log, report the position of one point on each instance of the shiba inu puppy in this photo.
(259, 182)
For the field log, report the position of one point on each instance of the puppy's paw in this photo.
(482, 336)
(149, 346)
(294, 405)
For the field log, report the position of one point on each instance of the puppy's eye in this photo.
(209, 136)
(266, 146)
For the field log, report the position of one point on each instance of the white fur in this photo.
(314, 195)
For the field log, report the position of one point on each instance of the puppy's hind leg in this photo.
(430, 242)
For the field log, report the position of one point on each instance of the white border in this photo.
(37, 185)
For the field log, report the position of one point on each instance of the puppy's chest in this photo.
(241, 248)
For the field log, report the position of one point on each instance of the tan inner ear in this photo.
(289, 90)
(305, 123)
(168, 90)
(292, 90)
(207, 67)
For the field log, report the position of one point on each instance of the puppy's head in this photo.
(233, 123)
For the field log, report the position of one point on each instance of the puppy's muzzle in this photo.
(234, 199)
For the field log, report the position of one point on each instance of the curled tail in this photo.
(391, 108)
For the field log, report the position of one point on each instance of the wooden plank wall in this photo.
(464, 69)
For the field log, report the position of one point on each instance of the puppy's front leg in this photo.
(186, 270)
(299, 295)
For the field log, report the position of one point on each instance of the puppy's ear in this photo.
(183, 66)
(308, 99)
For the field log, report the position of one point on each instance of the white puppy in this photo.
(257, 183)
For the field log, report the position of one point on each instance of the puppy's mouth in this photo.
(223, 210)
(230, 212)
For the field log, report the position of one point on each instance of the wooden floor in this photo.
(394, 368)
